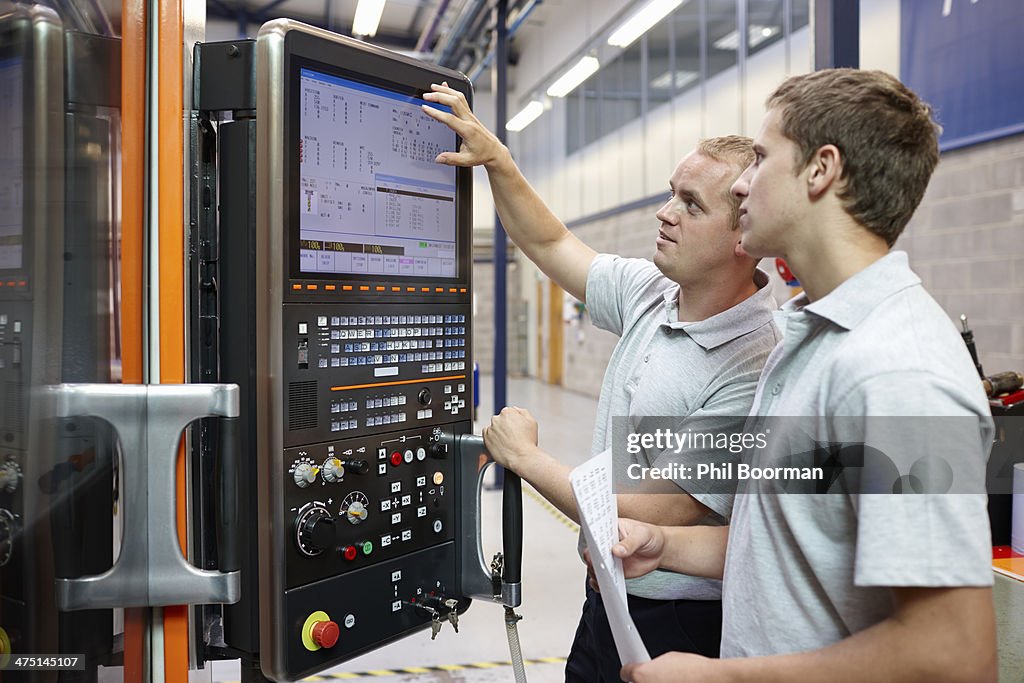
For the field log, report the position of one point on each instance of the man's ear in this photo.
(824, 170)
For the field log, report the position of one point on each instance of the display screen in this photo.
(372, 199)
(12, 170)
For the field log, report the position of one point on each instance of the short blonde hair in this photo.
(736, 150)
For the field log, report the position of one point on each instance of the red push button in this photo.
(396, 458)
(351, 552)
(325, 633)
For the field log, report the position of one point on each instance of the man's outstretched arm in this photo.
(528, 221)
(511, 439)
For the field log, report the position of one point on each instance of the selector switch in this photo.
(304, 474)
(333, 470)
(424, 397)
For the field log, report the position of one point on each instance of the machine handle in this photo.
(150, 570)
(512, 527)
(229, 554)
(472, 461)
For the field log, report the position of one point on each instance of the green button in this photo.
(367, 547)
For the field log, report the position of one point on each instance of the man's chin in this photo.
(749, 247)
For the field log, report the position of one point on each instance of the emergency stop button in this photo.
(319, 632)
(325, 633)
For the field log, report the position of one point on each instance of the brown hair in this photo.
(730, 149)
(885, 135)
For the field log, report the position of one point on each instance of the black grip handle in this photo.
(228, 534)
(512, 527)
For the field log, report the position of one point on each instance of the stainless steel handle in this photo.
(150, 569)
(476, 573)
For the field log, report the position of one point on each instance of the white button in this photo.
(421, 511)
(407, 499)
(396, 518)
(396, 606)
(438, 526)
(303, 328)
(385, 541)
(421, 481)
(396, 487)
(407, 535)
(350, 620)
(409, 456)
(321, 320)
(396, 576)
(421, 453)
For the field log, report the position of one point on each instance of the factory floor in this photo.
(553, 575)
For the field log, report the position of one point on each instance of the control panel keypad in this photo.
(436, 342)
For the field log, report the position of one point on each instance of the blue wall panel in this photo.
(966, 59)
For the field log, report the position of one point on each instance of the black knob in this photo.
(439, 449)
(317, 531)
(356, 466)
(424, 396)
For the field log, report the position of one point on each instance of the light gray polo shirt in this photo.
(806, 570)
(688, 371)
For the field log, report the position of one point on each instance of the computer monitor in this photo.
(369, 203)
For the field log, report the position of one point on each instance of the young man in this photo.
(695, 330)
(860, 584)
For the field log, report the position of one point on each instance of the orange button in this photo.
(424, 289)
(347, 288)
(410, 289)
(296, 286)
(364, 288)
(452, 290)
(379, 288)
(330, 288)
(438, 289)
(438, 478)
(462, 290)
(312, 287)
(22, 283)
(396, 289)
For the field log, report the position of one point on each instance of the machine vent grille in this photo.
(302, 405)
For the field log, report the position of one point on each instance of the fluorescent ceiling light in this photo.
(755, 36)
(683, 79)
(527, 116)
(583, 70)
(638, 24)
(367, 17)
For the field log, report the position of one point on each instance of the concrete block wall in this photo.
(483, 320)
(587, 348)
(966, 241)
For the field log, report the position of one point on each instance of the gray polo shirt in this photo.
(807, 570)
(686, 371)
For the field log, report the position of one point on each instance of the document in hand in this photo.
(592, 486)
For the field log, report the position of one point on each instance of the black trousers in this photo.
(664, 625)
